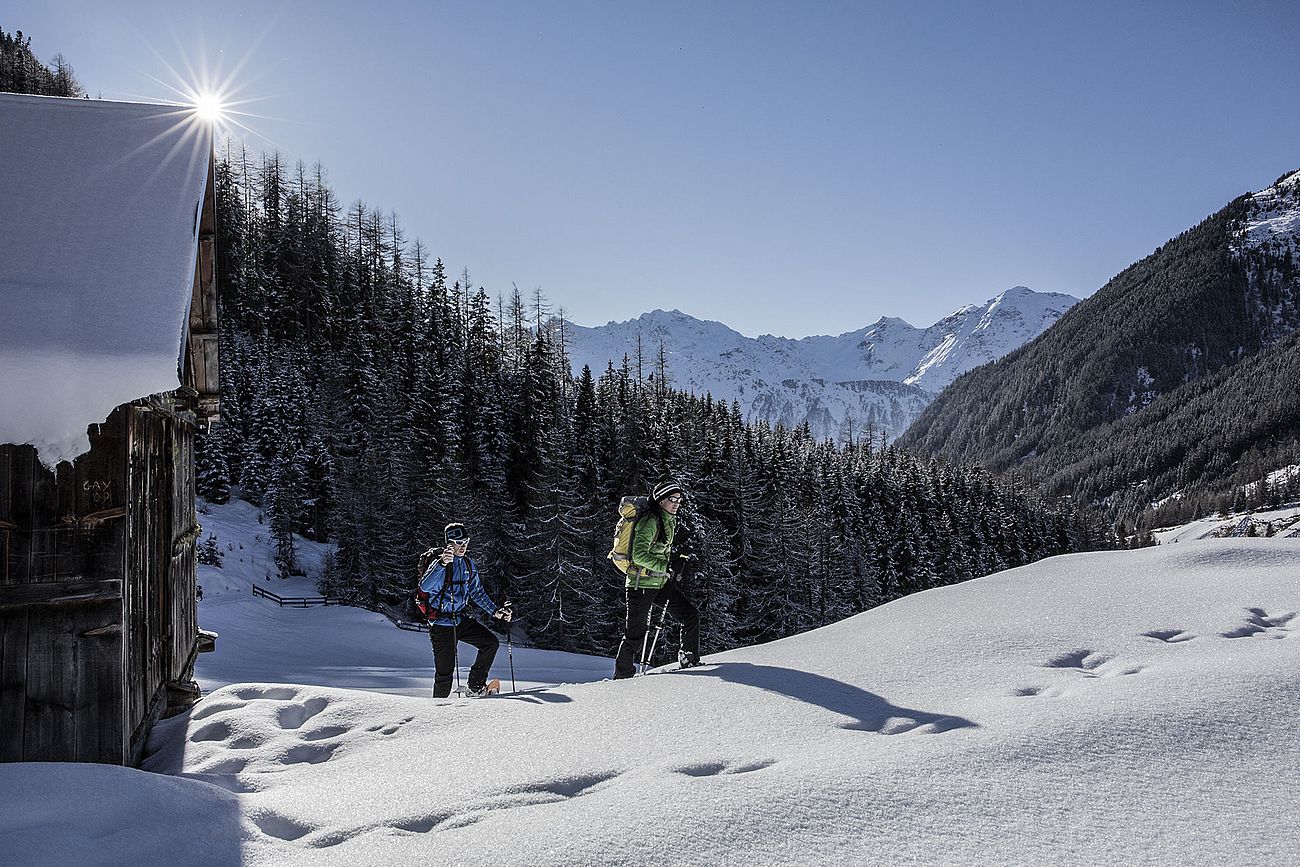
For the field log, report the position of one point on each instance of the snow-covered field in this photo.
(1282, 522)
(1132, 707)
(337, 646)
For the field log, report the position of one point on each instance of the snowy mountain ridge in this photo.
(1273, 222)
(881, 376)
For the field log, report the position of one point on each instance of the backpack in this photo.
(630, 511)
(428, 606)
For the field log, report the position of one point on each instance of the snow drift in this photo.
(1118, 707)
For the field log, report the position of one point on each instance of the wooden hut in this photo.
(108, 367)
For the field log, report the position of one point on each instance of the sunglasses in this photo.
(676, 498)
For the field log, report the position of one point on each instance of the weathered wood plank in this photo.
(45, 495)
(6, 551)
(98, 713)
(6, 484)
(211, 383)
(43, 553)
(208, 284)
(20, 512)
(7, 526)
(54, 554)
(50, 731)
(148, 559)
(13, 683)
(137, 568)
(61, 592)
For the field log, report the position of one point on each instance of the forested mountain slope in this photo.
(1215, 295)
(1202, 448)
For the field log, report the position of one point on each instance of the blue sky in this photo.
(788, 168)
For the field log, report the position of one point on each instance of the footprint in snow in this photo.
(1092, 664)
(1261, 624)
(713, 769)
(1036, 692)
(516, 797)
(281, 827)
(324, 733)
(389, 728)
(309, 754)
(293, 716)
(273, 693)
(1169, 636)
(215, 731)
(209, 707)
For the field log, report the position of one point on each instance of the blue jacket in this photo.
(451, 597)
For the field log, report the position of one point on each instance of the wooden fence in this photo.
(311, 601)
(295, 601)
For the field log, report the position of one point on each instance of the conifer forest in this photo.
(21, 71)
(369, 398)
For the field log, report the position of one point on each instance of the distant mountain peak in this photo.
(879, 376)
(1273, 220)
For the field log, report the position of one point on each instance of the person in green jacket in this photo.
(651, 581)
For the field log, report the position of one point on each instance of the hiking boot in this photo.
(688, 660)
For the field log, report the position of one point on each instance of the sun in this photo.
(208, 99)
(209, 107)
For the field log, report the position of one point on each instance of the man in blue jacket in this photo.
(446, 589)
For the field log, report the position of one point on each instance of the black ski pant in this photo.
(641, 605)
(444, 638)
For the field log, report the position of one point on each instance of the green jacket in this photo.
(651, 550)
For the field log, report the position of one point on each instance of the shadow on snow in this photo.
(869, 712)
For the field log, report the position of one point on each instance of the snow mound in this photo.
(1116, 707)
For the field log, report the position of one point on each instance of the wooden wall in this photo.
(201, 360)
(97, 608)
(160, 606)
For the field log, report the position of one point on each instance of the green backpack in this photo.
(630, 511)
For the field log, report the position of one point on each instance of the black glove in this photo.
(678, 564)
(504, 614)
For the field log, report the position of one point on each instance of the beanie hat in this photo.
(665, 489)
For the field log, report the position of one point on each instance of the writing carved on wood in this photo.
(99, 493)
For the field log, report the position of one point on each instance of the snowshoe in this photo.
(492, 687)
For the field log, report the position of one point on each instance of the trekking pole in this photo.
(645, 638)
(455, 652)
(647, 657)
(659, 627)
(510, 649)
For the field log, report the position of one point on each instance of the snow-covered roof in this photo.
(99, 218)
